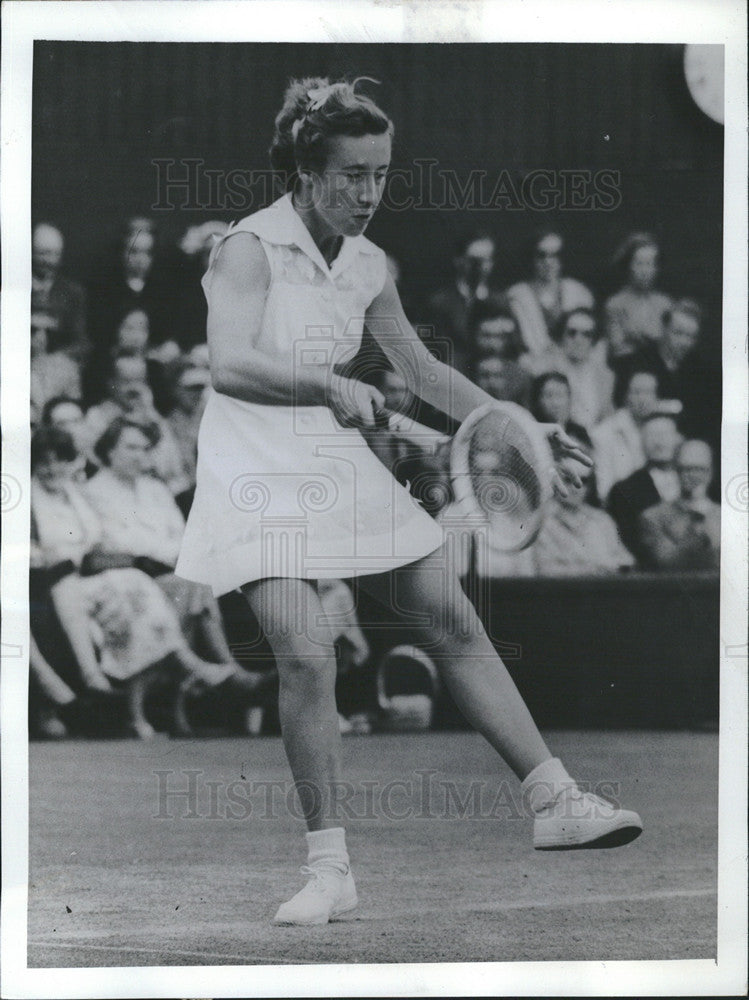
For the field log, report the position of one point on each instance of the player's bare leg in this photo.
(452, 633)
(292, 619)
(482, 688)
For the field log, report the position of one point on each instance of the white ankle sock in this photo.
(545, 782)
(327, 845)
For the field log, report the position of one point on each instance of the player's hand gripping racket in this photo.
(503, 469)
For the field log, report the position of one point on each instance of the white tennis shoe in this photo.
(329, 893)
(574, 819)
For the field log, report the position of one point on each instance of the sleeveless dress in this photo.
(286, 491)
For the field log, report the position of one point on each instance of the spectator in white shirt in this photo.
(129, 395)
(538, 304)
(577, 539)
(617, 441)
(579, 355)
(656, 481)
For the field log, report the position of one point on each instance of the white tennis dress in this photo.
(285, 491)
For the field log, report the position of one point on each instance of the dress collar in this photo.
(281, 224)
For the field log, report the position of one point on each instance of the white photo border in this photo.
(706, 21)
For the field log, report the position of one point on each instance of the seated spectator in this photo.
(634, 315)
(133, 333)
(55, 296)
(129, 395)
(539, 303)
(685, 533)
(494, 331)
(49, 696)
(471, 538)
(672, 358)
(66, 414)
(126, 282)
(188, 393)
(414, 456)
(495, 367)
(502, 379)
(53, 373)
(133, 338)
(578, 539)
(575, 355)
(449, 310)
(656, 481)
(617, 441)
(141, 518)
(551, 403)
(118, 622)
(132, 279)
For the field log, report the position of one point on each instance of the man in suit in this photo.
(684, 371)
(685, 534)
(450, 310)
(55, 296)
(656, 481)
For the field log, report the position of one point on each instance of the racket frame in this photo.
(543, 465)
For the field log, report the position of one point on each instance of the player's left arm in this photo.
(433, 381)
(440, 385)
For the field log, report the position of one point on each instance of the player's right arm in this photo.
(239, 286)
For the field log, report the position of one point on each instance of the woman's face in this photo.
(69, 417)
(643, 268)
(138, 254)
(577, 339)
(495, 336)
(132, 333)
(129, 457)
(642, 395)
(547, 258)
(350, 187)
(554, 402)
(52, 471)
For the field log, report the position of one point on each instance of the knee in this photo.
(310, 667)
(455, 625)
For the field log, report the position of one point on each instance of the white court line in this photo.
(642, 897)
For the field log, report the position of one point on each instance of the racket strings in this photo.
(502, 465)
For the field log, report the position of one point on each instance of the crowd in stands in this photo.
(119, 377)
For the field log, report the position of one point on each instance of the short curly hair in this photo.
(52, 443)
(622, 258)
(111, 436)
(340, 111)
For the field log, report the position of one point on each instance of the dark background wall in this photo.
(103, 112)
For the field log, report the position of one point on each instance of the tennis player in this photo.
(288, 492)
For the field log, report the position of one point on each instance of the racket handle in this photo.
(410, 430)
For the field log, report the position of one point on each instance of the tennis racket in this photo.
(502, 471)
